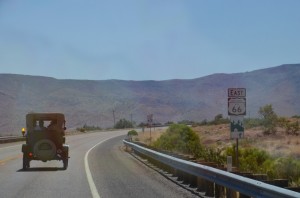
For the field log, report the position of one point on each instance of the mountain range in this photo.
(96, 102)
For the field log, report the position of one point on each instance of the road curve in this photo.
(48, 179)
(114, 172)
(117, 174)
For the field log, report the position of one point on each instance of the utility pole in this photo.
(100, 120)
(131, 119)
(114, 118)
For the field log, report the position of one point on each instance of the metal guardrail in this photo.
(8, 139)
(229, 180)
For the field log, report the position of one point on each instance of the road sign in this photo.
(236, 127)
(236, 106)
(150, 118)
(236, 92)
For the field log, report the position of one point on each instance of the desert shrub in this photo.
(250, 159)
(282, 122)
(180, 138)
(252, 122)
(219, 120)
(123, 124)
(258, 161)
(215, 155)
(82, 130)
(292, 128)
(284, 168)
(169, 123)
(269, 119)
(86, 127)
(203, 122)
(132, 133)
(91, 128)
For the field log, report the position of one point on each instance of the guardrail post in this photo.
(186, 178)
(231, 193)
(179, 175)
(219, 191)
(165, 168)
(210, 189)
(192, 181)
(201, 184)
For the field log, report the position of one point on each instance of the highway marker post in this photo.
(150, 120)
(237, 111)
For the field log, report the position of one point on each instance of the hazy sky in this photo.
(146, 39)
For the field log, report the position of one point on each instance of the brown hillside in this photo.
(92, 102)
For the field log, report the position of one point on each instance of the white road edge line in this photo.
(93, 188)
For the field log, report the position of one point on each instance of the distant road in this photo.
(113, 172)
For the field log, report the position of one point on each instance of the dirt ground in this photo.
(279, 144)
(218, 136)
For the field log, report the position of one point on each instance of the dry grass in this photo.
(145, 136)
(277, 145)
(218, 135)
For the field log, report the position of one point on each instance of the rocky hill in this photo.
(93, 102)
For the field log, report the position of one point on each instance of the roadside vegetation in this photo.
(86, 128)
(179, 138)
(253, 157)
(131, 133)
(123, 124)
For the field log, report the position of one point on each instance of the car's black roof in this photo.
(45, 116)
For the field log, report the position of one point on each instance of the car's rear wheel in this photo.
(66, 162)
(26, 162)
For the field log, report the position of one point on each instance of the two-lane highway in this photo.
(108, 171)
(117, 174)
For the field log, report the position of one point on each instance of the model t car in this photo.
(45, 139)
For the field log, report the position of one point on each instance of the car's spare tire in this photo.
(44, 149)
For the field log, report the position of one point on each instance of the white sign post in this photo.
(229, 164)
(237, 111)
(150, 120)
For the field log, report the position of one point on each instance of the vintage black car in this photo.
(45, 139)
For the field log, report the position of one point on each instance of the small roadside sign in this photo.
(236, 92)
(236, 106)
(150, 118)
(236, 127)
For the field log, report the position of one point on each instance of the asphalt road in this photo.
(98, 167)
